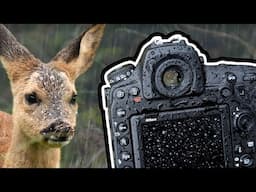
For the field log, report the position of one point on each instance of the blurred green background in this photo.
(87, 149)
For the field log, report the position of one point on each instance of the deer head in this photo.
(44, 94)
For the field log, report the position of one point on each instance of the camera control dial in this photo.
(245, 121)
(246, 160)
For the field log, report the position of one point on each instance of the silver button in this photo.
(250, 143)
(134, 91)
(231, 78)
(120, 112)
(120, 94)
(122, 127)
(125, 156)
(124, 141)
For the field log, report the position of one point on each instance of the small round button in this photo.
(246, 160)
(120, 112)
(122, 127)
(124, 141)
(120, 94)
(125, 156)
(118, 78)
(134, 91)
(226, 92)
(231, 78)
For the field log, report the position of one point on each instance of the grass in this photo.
(87, 149)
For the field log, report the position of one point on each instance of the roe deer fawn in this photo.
(44, 99)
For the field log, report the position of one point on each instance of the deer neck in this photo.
(24, 154)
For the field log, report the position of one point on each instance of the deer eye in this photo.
(73, 99)
(32, 98)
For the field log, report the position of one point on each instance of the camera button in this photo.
(120, 94)
(125, 156)
(226, 92)
(246, 160)
(122, 127)
(231, 78)
(241, 90)
(245, 122)
(250, 144)
(124, 141)
(134, 91)
(120, 112)
(137, 99)
(238, 149)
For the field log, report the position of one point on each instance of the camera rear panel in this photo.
(211, 125)
(229, 86)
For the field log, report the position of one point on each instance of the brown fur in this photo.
(79, 53)
(5, 134)
(10, 48)
(38, 127)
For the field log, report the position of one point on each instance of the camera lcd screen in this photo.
(180, 139)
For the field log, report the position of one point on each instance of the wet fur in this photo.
(5, 134)
(54, 82)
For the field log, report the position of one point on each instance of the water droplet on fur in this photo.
(52, 77)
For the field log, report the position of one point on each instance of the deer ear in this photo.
(78, 56)
(16, 59)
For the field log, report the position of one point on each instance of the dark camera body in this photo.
(172, 109)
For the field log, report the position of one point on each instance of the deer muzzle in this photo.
(58, 131)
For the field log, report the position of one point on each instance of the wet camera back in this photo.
(171, 108)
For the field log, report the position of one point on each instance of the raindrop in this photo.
(52, 78)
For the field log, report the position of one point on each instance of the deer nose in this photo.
(58, 131)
